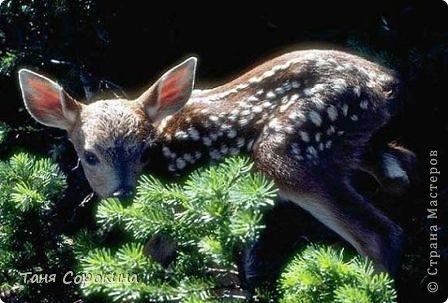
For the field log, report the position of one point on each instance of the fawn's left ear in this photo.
(47, 102)
(170, 93)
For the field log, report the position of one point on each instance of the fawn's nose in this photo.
(123, 192)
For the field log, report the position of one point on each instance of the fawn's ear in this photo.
(170, 93)
(47, 102)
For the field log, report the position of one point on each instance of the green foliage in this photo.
(28, 183)
(8, 62)
(320, 274)
(4, 131)
(28, 243)
(203, 222)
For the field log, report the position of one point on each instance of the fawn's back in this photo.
(315, 104)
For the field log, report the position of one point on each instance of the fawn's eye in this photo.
(145, 155)
(91, 158)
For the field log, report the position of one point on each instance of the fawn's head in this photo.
(111, 137)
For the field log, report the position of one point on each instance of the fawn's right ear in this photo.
(170, 93)
(47, 102)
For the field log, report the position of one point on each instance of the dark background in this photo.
(124, 46)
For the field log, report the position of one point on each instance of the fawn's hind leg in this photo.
(347, 213)
(325, 191)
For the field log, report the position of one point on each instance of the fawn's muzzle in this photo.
(123, 192)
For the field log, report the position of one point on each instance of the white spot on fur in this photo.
(224, 149)
(252, 99)
(194, 134)
(332, 113)
(214, 154)
(304, 136)
(284, 107)
(180, 163)
(345, 109)
(197, 155)
(286, 86)
(307, 92)
(266, 104)
(318, 88)
(268, 73)
(207, 141)
(279, 91)
(255, 80)
(315, 118)
(331, 130)
(317, 137)
(295, 149)
(288, 129)
(236, 111)
(312, 151)
(318, 102)
(339, 85)
(245, 112)
(328, 144)
(231, 134)
(242, 86)
(294, 98)
(181, 135)
(364, 104)
(166, 152)
(270, 95)
(354, 117)
(275, 125)
(232, 118)
(297, 116)
(213, 136)
(188, 158)
(257, 109)
(243, 122)
(371, 84)
(295, 84)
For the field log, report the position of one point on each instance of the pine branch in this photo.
(199, 223)
(323, 274)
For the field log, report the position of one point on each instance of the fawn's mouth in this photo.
(123, 193)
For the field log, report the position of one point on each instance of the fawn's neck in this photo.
(210, 127)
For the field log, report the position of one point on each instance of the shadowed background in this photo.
(106, 48)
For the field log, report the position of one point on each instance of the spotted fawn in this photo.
(306, 118)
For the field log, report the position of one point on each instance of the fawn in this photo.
(306, 118)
